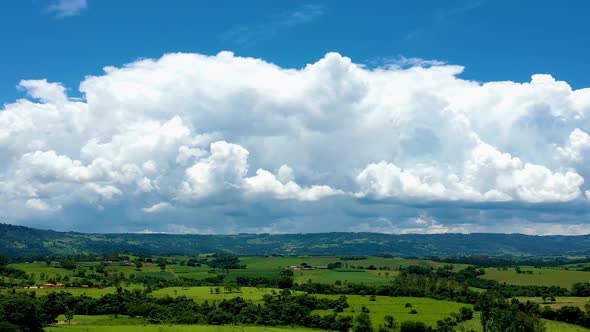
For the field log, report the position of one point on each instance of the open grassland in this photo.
(91, 292)
(107, 323)
(429, 310)
(554, 326)
(539, 277)
(274, 263)
(353, 271)
(331, 276)
(170, 328)
(550, 325)
(190, 272)
(561, 301)
(41, 269)
(200, 294)
(256, 266)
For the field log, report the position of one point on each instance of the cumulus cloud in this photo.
(577, 145)
(245, 145)
(283, 187)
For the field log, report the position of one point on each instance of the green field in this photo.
(201, 294)
(382, 271)
(274, 263)
(561, 301)
(331, 276)
(540, 277)
(170, 328)
(429, 310)
(39, 269)
(550, 325)
(353, 271)
(125, 324)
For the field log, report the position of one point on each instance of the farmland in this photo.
(427, 310)
(210, 280)
(538, 276)
(124, 324)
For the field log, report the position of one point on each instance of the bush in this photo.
(465, 314)
(412, 326)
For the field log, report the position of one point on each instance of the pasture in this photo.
(107, 323)
(200, 294)
(561, 301)
(550, 325)
(428, 310)
(539, 276)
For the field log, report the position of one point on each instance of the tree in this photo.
(465, 313)
(3, 260)
(285, 282)
(138, 265)
(68, 264)
(362, 323)
(412, 326)
(581, 289)
(509, 318)
(162, 266)
(22, 311)
(389, 322)
(69, 316)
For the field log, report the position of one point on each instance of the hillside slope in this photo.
(19, 241)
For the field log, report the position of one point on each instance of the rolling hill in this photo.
(20, 241)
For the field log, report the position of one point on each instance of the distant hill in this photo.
(19, 241)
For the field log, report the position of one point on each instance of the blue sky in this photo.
(293, 116)
(494, 40)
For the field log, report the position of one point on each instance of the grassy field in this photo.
(429, 310)
(201, 294)
(540, 277)
(170, 328)
(39, 269)
(266, 263)
(331, 276)
(127, 324)
(561, 301)
(256, 266)
(106, 323)
(353, 271)
(550, 325)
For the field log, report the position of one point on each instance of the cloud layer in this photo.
(196, 143)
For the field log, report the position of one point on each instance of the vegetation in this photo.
(24, 243)
(354, 292)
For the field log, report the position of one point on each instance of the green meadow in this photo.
(428, 310)
(107, 323)
(550, 326)
(539, 276)
(201, 294)
(561, 301)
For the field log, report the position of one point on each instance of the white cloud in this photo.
(40, 205)
(223, 168)
(157, 207)
(487, 175)
(284, 187)
(419, 225)
(188, 127)
(106, 191)
(577, 144)
(65, 8)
